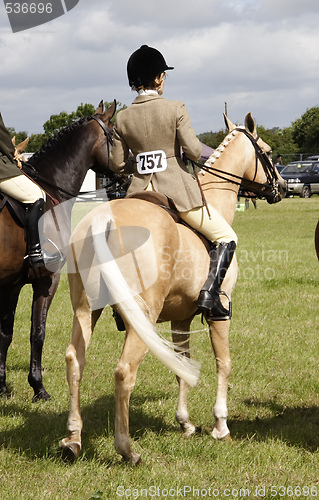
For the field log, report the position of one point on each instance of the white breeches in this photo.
(214, 228)
(22, 188)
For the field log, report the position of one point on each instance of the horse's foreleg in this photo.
(180, 335)
(125, 375)
(43, 292)
(219, 337)
(8, 304)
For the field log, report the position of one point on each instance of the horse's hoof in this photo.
(41, 396)
(190, 432)
(218, 437)
(227, 438)
(4, 393)
(71, 452)
(134, 459)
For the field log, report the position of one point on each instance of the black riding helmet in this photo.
(144, 65)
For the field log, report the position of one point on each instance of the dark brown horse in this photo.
(60, 168)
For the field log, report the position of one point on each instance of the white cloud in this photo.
(258, 55)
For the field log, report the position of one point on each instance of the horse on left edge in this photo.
(59, 168)
(317, 239)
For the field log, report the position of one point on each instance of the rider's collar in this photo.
(147, 92)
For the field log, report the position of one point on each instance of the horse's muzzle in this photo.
(278, 192)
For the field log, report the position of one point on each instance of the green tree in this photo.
(305, 131)
(64, 119)
(19, 136)
(57, 122)
(212, 139)
(36, 142)
(281, 142)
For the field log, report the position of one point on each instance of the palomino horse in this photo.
(60, 168)
(165, 265)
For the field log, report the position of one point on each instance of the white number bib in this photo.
(151, 162)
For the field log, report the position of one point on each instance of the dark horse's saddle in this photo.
(16, 208)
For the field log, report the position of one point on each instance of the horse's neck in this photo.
(230, 157)
(66, 164)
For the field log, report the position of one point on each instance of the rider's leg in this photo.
(22, 188)
(224, 241)
(30, 194)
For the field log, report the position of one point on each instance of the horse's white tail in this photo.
(182, 366)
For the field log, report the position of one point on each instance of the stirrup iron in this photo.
(230, 310)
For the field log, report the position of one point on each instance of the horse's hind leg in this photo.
(83, 325)
(43, 292)
(8, 303)
(180, 335)
(219, 338)
(125, 375)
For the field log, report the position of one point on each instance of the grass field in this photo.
(273, 395)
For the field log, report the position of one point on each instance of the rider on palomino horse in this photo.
(155, 129)
(14, 183)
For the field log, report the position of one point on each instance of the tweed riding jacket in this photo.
(152, 123)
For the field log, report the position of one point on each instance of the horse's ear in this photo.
(21, 147)
(100, 108)
(13, 140)
(230, 126)
(109, 112)
(250, 125)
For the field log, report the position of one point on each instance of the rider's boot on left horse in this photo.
(37, 256)
(221, 255)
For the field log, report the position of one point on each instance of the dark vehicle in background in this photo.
(279, 167)
(302, 178)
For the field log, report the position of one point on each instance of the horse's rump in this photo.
(163, 262)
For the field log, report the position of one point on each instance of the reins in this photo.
(31, 172)
(256, 187)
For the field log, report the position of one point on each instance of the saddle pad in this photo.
(16, 209)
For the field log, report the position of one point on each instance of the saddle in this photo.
(16, 208)
(166, 204)
(158, 199)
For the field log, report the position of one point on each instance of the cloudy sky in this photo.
(256, 55)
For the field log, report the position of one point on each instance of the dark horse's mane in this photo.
(51, 143)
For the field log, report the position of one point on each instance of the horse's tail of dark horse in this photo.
(130, 310)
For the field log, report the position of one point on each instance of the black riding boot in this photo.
(221, 255)
(37, 256)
